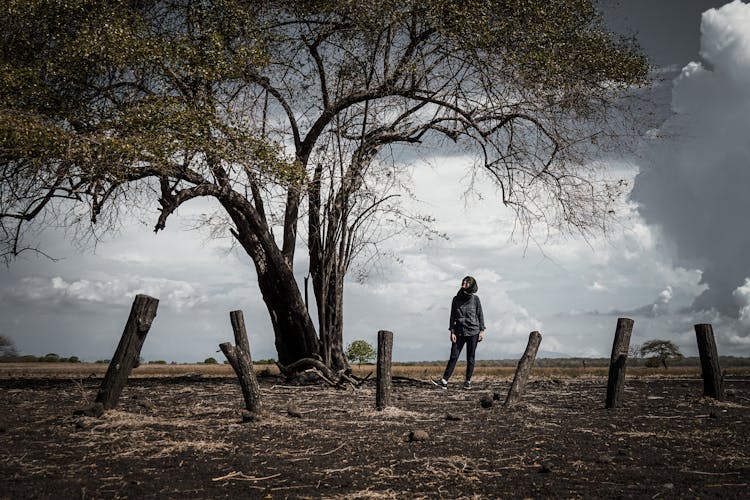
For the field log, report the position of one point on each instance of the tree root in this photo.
(337, 379)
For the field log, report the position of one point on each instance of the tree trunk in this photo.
(331, 321)
(128, 352)
(525, 364)
(328, 286)
(384, 383)
(294, 332)
(713, 381)
(617, 362)
(241, 360)
(331, 251)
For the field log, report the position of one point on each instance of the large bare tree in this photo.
(282, 111)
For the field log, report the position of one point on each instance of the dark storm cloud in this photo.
(695, 177)
(666, 30)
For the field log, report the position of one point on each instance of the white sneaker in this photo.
(440, 383)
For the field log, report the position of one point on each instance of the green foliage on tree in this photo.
(659, 352)
(210, 361)
(360, 351)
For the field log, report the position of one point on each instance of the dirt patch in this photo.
(183, 437)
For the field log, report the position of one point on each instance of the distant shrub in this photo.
(268, 361)
(28, 358)
(652, 362)
(157, 362)
(50, 358)
(102, 361)
(74, 359)
(210, 361)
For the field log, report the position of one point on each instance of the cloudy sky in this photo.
(679, 257)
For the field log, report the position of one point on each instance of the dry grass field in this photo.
(416, 371)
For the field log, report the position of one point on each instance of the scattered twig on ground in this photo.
(239, 476)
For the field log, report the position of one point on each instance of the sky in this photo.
(679, 256)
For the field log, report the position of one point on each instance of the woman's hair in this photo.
(473, 287)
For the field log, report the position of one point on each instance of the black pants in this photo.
(471, 342)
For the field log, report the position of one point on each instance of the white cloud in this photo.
(662, 301)
(695, 173)
(115, 291)
(742, 295)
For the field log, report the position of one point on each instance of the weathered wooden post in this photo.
(239, 357)
(128, 352)
(383, 375)
(525, 364)
(713, 381)
(617, 362)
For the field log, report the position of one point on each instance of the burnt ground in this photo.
(183, 438)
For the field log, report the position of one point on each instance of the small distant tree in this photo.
(7, 347)
(660, 351)
(360, 351)
(50, 358)
(210, 361)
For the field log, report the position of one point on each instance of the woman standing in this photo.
(466, 327)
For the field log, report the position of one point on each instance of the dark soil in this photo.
(182, 438)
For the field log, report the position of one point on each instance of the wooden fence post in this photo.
(617, 362)
(383, 377)
(523, 369)
(128, 352)
(239, 357)
(713, 381)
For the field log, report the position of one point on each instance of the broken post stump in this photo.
(239, 358)
(523, 369)
(128, 352)
(617, 362)
(384, 380)
(713, 381)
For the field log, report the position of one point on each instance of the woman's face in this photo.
(464, 284)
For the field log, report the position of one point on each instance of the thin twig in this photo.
(332, 451)
(239, 476)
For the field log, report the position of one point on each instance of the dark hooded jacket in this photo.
(467, 317)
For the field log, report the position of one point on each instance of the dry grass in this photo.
(184, 439)
(416, 371)
(97, 370)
